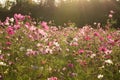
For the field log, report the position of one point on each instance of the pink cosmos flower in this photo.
(1, 57)
(80, 51)
(8, 43)
(18, 17)
(111, 42)
(7, 37)
(67, 50)
(48, 50)
(108, 52)
(103, 49)
(74, 44)
(30, 52)
(16, 27)
(10, 30)
(29, 17)
(44, 25)
(87, 38)
(112, 12)
(107, 56)
(32, 28)
(53, 78)
(65, 34)
(96, 34)
(7, 21)
(54, 28)
(110, 15)
(109, 36)
(27, 25)
(73, 74)
(1, 23)
(42, 32)
(70, 65)
(101, 38)
(82, 62)
(50, 43)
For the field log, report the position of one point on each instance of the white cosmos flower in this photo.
(93, 55)
(0, 51)
(38, 45)
(100, 76)
(12, 19)
(75, 39)
(7, 23)
(22, 48)
(29, 50)
(109, 61)
(56, 44)
(2, 64)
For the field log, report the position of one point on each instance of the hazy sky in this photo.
(3, 1)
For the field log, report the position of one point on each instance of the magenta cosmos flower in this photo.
(10, 30)
(87, 38)
(96, 34)
(102, 48)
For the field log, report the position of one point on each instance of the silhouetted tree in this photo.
(79, 11)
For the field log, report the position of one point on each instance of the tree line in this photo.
(79, 11)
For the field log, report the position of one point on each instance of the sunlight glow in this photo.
(2, 1)
(36, 1)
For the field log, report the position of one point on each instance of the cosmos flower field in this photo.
(43, 52)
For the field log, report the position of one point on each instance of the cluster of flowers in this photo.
(64, 52)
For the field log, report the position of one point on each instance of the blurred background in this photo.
(80, 12)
